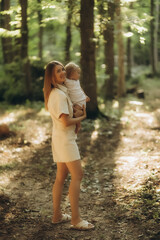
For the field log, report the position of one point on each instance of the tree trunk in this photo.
(6, 41)
(24, 47)
(129, 62)
(40, 33)
(156, 35)
(88, 56)
(68, 31)
(108, 34)
(120, 45)
(152, 27)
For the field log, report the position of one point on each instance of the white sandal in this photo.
(65, 218)
(83, 225)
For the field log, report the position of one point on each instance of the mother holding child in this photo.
(66, 101)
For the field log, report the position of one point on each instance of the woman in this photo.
(64, 147)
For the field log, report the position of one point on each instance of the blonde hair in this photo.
(49, 80)
(70, 68)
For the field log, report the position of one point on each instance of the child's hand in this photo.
(88, 99)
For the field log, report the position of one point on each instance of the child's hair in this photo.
(70, 68)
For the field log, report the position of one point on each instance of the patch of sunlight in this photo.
(43, 112)
(138, 103)
(39, 136)
(77, 54)
(94, 135)
(115, 104)
(142, 40)
(5, 179)
(96, 124)
(11, 117)
(128, 34)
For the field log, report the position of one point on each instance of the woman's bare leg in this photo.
(76, 172)
(62, 172)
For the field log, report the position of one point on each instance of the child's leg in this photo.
(77, 111)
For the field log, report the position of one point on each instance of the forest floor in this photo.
(120, 191)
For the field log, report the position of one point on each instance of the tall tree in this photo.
(157, 19)
(68, 30)
(5, 24)
(120, 45)
(152, 28)
(88, 55)
(24, 47)
(109, 51)
(129, 62)
(40, 33)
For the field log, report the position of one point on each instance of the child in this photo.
(77, 95)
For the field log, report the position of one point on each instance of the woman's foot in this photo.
(64, 218)
(83, 225)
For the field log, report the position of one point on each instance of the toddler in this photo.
(76, 93)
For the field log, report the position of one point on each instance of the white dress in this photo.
(64, 146)
(75, 92)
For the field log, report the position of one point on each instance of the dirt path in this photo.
(120, 191)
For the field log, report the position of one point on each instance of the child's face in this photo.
(76, 74)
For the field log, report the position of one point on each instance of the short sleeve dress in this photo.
(64, 146)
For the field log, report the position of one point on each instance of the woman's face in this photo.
(59, 74)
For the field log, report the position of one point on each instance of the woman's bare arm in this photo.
(68, 121)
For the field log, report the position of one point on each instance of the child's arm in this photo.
(87, 98)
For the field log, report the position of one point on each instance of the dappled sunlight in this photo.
(136, 157)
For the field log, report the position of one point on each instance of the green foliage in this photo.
(12, 83)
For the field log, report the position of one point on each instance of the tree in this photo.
(5, 24)
(152, 27)
(120, 46)
(68, 30)
(129, 62)
(24, 47)
(108, 34)
(88, 55)
(40, 33)
(156, 35)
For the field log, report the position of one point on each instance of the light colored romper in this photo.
(64, 146)
(75, 92)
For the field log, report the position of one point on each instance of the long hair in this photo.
(49, 80)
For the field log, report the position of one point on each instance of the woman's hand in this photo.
(84, 112)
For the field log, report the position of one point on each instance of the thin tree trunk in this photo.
(129, 62)
(6, 41)
(152, 27)
(156, 35)
(24, 47)
(68, 31)
(88, 56)
(40, 33)
(119, 36)
(109, 52)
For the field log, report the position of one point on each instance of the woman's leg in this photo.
(62, 172)
(76, 172)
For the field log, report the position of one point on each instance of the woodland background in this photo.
(115, 42)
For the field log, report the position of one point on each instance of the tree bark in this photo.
(120, 45)
(156, 35)
(24, 48)
(129, 62)
(152, 28)
(88, 56)
(108, 34)
(40, 33)
(68, 31)
(6, 41)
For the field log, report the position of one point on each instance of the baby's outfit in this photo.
(75, 92)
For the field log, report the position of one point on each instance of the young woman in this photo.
(64, 147)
